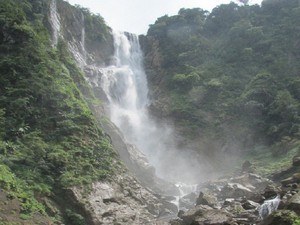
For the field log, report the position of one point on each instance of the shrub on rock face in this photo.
(282, 217)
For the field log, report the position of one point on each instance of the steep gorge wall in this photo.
(86, 34)
(57, 158)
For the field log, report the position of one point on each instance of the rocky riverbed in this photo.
(245, 199)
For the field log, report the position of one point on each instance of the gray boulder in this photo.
(271, 191)
(248, 204)
(207, 199)
(205, 215)
(189, 216)
(294, 203)
(121, 201)
(236, 190)
(188, 201)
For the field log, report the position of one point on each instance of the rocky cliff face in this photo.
(124, 199)
(88, 37)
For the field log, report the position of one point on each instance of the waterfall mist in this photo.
(54, 22)
(125, 85)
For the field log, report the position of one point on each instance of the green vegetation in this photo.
(232, 73)
(49, 138)
(265, 163)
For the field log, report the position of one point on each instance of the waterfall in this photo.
(125, 85)
(82, 42)
(268, 207)
(55, 22)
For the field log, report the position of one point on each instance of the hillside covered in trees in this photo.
(232, 75)
(49, 138)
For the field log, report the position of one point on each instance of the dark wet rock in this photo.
(294, 179)
(188, 201)
(287, 181)
(228, 201)
(294, 203)
(296, 161)
(207, 199)
(248, 204)
(271, 191)
(280, 217)
(247, 167)
(180, 213)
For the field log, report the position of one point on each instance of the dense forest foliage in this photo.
(49, 138)
(234, 71)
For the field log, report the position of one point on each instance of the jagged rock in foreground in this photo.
(123, 201)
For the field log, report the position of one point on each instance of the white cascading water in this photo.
(55, 22)
(82, 43)
(268, 207)
(125, 85)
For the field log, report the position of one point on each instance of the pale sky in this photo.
(135, 15)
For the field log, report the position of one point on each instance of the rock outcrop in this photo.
(121, 201)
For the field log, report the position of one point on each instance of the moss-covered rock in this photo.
(282, 217)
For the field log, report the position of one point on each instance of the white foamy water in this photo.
(55, 22)
(268, 207)
(125, 85)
